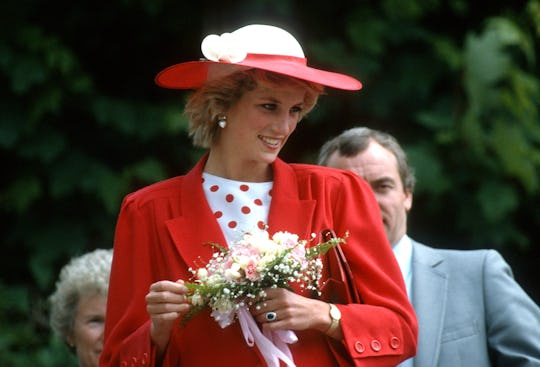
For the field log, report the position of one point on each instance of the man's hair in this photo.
(356, 140)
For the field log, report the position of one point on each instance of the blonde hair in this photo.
(216, 97)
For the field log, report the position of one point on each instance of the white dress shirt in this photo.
(403, 252)
(239, 207)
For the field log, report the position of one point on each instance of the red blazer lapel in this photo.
(287, 211)
(192, 233)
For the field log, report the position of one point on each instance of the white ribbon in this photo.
(272, 344)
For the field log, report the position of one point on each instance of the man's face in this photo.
(378, 166)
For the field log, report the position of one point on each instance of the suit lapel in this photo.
(430, 292)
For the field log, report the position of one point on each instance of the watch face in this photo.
(335, 313)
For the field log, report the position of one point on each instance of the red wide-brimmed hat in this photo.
(253, 46)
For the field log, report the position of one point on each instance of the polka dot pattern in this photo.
(237, 206)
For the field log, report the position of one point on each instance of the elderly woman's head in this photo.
(79, 302)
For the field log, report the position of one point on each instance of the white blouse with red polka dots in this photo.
(239, 207)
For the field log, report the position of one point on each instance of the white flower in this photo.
(264, 261)
(224, 305)
(202, 274)
(223, 48)
(285, 238)
(214, 279)
(197, 300)
(233, 272)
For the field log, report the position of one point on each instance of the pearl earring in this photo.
(222, 121)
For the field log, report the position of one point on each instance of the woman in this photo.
(250, 93)
(79, 302)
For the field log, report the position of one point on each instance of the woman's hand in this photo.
(166, 301)
(293, 312)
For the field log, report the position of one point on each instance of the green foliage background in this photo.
(82, 124)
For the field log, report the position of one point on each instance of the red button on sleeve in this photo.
(395, 343)
(376, 345)
(359, 347)
(144, 359)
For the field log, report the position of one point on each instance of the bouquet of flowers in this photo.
(235, 277)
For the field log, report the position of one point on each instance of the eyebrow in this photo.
(384, 179)
(265, 92)
(268, 98)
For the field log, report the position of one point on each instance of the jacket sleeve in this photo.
(127, 327)
(513, 318)
(383, 330)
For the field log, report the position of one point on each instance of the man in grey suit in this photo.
(471, 312)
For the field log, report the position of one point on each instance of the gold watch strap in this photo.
(335, 321)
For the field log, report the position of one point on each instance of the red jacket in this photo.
(161, 232)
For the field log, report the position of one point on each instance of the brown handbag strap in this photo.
(346, 272)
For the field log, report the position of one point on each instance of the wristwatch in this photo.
(335, 315)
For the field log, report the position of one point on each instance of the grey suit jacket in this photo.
(471, 312)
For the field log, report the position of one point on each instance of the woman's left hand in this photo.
(291, 311)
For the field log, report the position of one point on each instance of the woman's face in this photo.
(87, 337)
(260, 123)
